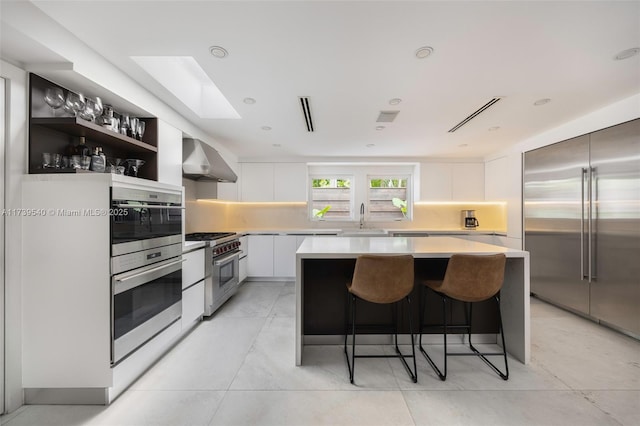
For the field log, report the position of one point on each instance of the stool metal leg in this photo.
(483, 355)
(441, 375)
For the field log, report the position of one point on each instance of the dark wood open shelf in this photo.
(76, 126)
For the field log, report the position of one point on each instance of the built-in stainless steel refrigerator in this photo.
(582, 224)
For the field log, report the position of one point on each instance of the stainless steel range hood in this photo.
(203, 163)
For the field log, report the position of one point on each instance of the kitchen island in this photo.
(325, 264)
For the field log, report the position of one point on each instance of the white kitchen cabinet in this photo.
(192, 268)
(192, 304)
(192, 287)
(260, 256)
(452, 182)
(273, 182)
(467, 182)
(257, 182)
(284, 256)
(244, 246)
(290, 182)
(169, 154)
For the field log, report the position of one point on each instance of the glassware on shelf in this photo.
(54, 97)
(133, 127)
(125, 124)
(88, 112)
(141, 129)
(74, 103)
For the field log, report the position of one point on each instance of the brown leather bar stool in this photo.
(468, 278)
(382, 280)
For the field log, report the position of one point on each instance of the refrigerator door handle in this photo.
(592, 195)
(583, 176)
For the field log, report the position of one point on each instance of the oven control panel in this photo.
(226, 248)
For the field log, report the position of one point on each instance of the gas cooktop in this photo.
(208, 236)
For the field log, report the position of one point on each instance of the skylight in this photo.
(186, 80)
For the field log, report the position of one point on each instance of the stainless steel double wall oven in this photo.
(146, 265)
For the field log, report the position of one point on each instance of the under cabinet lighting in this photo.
(187, 81)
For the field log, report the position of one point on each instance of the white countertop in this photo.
(331, 231)
(348, 247)
(188, 246)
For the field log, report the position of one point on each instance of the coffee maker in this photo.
(469, 220)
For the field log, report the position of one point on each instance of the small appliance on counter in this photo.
(469, 220)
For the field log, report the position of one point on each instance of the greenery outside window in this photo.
(387, 198)
(331, 198)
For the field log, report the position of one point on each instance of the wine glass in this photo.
(98, 107)
(74, 102)
(88, 112)
(54, 97)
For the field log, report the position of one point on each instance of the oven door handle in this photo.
(226, 258)
(121, 284)
(146, 206)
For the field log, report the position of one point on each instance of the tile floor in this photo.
(237, 368)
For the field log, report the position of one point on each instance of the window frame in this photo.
(337, 176)
(408, 189)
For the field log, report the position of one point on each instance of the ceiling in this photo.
(350, 58)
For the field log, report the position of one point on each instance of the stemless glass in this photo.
(54, 97)
(141, 128)
(124, 124)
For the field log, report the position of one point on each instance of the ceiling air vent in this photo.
(387, 116)
(474, 114)
(306, 111)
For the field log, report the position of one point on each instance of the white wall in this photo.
(503, 171)
(16, 156)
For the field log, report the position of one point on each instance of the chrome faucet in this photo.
(361, 215)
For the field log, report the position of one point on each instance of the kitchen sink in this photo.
(363, 233)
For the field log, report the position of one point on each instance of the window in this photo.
(331, 198)
(387, 198)
(337, 190)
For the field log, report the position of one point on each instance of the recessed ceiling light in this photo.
(265, 128)
(276, 145)
(424, 52)
(218, 52)
(542, 101)
(370, 145)
(494, 128)
(627, 53)
(249, 101)
(395, 101)
(379, 127)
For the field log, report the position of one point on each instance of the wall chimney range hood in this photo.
(203, 163)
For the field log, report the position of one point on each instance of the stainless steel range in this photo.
(222, 267)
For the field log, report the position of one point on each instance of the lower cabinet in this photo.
(260, 256)
(192, 287)
(192, 304)
(272, 255)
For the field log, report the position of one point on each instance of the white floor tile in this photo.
(237, 367)
(207, 359)
(522, 408)
(313, 408)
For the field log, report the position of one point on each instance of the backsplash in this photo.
(206, 215)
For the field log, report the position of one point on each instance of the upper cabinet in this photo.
(273, 182)
(452, 182)
(52, 130)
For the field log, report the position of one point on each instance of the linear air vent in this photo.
(387, 116)
(306, 111)
(474, 114)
